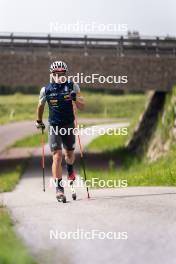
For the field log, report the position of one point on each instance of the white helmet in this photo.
(58, 66)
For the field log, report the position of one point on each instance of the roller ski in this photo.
(60, 191)
(61, 198)
(71, 179)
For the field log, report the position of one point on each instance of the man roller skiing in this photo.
(59, 94)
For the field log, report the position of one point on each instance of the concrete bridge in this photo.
(148, 63)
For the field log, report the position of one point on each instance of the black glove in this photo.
(73, 96)
(40, 125)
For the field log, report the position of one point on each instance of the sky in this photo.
(112, 17)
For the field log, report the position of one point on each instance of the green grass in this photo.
(159, 173)
(17, 107)
(107, 143)
(31, 141)
(10, 177)
(23, 107)
(12, 250)
(114, 106)
(138, 171)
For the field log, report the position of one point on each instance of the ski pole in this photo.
(80, 148)
(43, 159)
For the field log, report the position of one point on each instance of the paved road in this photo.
(147, 215)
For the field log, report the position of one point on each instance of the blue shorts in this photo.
(59, 136)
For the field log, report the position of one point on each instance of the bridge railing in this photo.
(122, 42)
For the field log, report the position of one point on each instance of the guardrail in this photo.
(119, 42)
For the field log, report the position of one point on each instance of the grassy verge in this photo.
(140, 171)
(23, 107)
(12, 250)
(117, 106)
(17, 107)
(107, 143)
(159, 173)
(111, 143)
(10, 177)
(31, 141)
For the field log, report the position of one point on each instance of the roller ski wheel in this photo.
(61, 198)
(74, 196)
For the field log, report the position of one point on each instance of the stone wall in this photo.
(145, 72)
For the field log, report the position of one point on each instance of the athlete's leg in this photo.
(57, 164)
(69, 146)
(69, 158)
(55, 144)
(57, 171)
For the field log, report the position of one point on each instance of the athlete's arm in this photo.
(80, 104)
(40, 110)
(41, 104)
